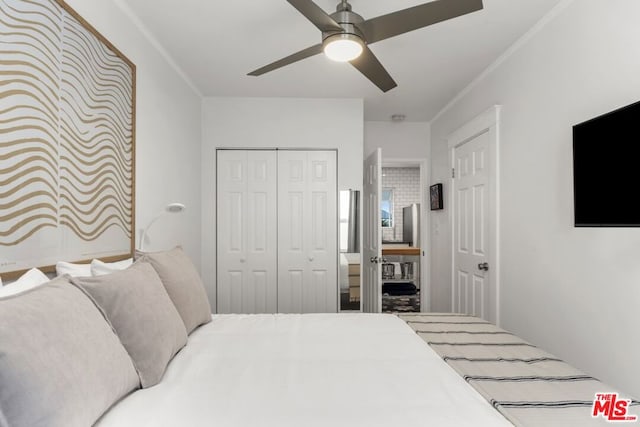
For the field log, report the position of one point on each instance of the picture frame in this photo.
(435, 197)
(68, 154)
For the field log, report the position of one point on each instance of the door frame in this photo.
(425, 224)
(486, 122)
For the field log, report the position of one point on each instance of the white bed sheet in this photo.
(305, 371)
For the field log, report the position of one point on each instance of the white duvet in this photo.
(304, 371)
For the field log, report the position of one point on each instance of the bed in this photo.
(362, 370)
(135, 344)
(306, 370)
(138, 346)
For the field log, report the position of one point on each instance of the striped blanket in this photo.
(529, 386)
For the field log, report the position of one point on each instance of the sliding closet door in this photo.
(247, 236)
(307, 232)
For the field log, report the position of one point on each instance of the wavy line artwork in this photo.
(66, 138)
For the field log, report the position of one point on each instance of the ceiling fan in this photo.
(346, 35)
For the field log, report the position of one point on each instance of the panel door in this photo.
(247, 237)
(471, 228)
(372, 235)
(307, 232)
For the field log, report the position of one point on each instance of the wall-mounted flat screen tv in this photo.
(606, 169)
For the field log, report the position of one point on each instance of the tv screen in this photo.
(606, 169)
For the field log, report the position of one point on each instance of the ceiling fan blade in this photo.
(306, 53)
(316, 15)
(403, 21)
(368, 64)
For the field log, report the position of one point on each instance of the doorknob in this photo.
(483, 266)
(374, 259)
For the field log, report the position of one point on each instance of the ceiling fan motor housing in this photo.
(348, 20)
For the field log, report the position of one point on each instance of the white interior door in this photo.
(247, 239)
(471, 284)
(372, 234)
(307, 232)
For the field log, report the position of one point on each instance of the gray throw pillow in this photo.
(61, 364)
(183, 284)
(142, 315)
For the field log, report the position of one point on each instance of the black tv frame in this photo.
(635, 105)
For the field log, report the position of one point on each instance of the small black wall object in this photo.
(435, 196)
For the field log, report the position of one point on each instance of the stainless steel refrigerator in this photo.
(411, 225)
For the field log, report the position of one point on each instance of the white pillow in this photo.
(28, 280)
(99, 268)
(73, 270)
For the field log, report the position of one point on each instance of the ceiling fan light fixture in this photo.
(343, 47)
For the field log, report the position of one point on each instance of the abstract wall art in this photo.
(67, 139)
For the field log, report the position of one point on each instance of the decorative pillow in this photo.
(99, 268)
(73, 270)
(183, 284)
(142, 315)
(28, 280)
(61, 364)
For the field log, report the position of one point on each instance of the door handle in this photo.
(374, 260)
(483, 266)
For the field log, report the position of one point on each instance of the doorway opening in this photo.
(401, 216)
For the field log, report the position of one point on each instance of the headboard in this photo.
(67, 140)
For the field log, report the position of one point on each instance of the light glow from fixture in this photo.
(343, 47)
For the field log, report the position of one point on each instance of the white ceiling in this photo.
(216, 43)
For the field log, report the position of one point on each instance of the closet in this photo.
(276, 231)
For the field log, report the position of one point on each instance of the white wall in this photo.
(167, 132)
(275, 123)
(572, 291)
(404, 140)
